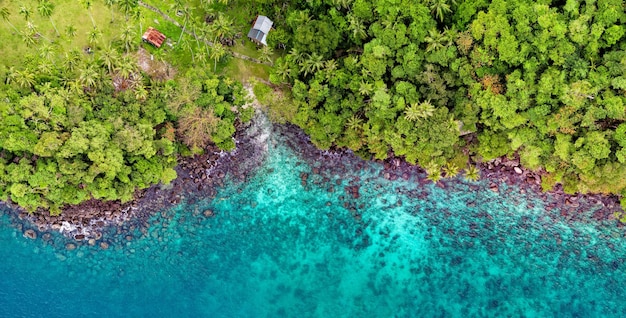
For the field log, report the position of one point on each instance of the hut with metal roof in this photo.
(154, 37)
(261, 27)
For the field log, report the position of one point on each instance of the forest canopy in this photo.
(447, 83)
(96, 122)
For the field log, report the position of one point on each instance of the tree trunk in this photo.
(55, 27)
(91, 17)
(183, 30)
(14, 28)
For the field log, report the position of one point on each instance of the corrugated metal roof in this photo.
(261, 27)
(263, 24)
(154, 37)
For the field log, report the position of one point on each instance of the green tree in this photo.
(6, 14)
(45, 9)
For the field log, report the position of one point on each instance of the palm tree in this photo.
(222, 27)
(217, 52)
(342, 4)
(439, 7)
(366, 88)
(186, 44)
(46, 52)
(207, 31)
(314, 63)
(45, 9)
(435, 40)
(87, 5)
(472, 173)
(283, 69)
(109, 57)
(434, 171)
(357, 27)
(126, 67)
(72, 59)
(5, 16)
(137, 17)
(450, 170)
(354, 123)
(186, 10)
(128, 37)
(418, 111)
(45, 68)
(28, 37)
(110, 4)
(89, 76)
(266, 54)
(24, 78)
(296, 55)
(127, 6)
(70, 30)
(141, 93)
(94, 35)
(25, 11)
(202, 57)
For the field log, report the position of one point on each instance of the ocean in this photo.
(292, 241)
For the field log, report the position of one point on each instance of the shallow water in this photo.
(276, 248)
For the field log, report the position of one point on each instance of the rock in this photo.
(208, 213)
(518, 170)
(493, 187)
(92, 242)
(31, 234)
(79, 237)
(129, 237)
(104, 245)
(70, 246)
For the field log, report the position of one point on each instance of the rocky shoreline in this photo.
(102, 223)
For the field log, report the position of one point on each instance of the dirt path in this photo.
(207, 42)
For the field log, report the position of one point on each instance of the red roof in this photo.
(154, 37)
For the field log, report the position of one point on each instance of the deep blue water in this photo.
(279, 249)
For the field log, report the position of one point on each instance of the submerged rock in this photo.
(31, 234)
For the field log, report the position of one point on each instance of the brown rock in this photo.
(79, 237)
(493, 187)
(208, 213)
(31, 234)
(104, 245)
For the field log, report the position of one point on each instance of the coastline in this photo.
(108, 223)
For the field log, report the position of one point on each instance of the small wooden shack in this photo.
(261, 27)
(154, 37)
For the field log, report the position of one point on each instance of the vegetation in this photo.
(84, 117)
(544, 80)
(442, 83)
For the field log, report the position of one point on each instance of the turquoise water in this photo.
(278, 248)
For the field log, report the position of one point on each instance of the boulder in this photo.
(518, 170)
(104, 245)
(31, 234)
